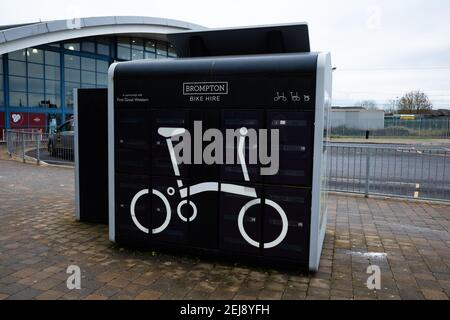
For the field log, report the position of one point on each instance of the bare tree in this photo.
(368, 104)
(391, 106)
(415, 102)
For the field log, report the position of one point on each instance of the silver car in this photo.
(61, 141)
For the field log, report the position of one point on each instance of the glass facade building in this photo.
(36, 84)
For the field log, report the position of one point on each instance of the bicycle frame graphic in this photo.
(168, 134)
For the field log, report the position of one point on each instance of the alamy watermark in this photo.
(74, 280)
(250, 144)
(374, 280)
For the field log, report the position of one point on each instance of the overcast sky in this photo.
(381, 48)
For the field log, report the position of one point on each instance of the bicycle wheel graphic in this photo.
(280, 211)
(166, 204)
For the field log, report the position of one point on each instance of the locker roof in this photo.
(268, 64)
(287, 38)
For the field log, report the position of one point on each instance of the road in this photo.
(411, 171)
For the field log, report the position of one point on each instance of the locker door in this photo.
(233, 238)
(204, 195)
(128, 229)
(289, 208)
(167, 226)
(132, 141)
(296, 145)
(161, 162)
(237, 119)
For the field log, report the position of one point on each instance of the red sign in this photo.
(36, 120)
(27, 120)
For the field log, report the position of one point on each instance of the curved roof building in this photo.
(41, 63)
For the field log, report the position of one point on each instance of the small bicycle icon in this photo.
(279, 97)
(295, 97)
(168, 133)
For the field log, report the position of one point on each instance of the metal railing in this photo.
(371, 170)
(36, 146)
(393, 128)
(2, 134)
(390, 171)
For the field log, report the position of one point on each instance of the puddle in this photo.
(369, 255)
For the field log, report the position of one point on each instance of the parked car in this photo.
(61, 141)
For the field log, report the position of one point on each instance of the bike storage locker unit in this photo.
(91, 155)
(164, 116)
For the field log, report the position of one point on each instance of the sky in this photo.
(381, 49)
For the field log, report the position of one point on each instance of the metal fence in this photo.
(2, 134)
(36, 146)
(391, 171)
(397, 128)
(370, 170)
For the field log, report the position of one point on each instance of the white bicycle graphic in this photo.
(279, 97)
(168, 133)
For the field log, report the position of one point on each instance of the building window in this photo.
(103, 46)
(35, 70)
(72, 46)
(35, 55)
(2, 97)
(88, 46)
(71, 61)
(17, 68)
(18, 99)
(72, 77)
(52, 58)
(124, 48)
(150, 46)
(17, 55)
(123, 53)
(161, 49)
(102, 73)
(34, 78)
(137, 48)
(52, 73)
(171, 51)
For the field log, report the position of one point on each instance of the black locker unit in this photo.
(220, 209)
(91, 155)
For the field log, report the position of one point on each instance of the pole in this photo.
(23, 147)
(38, 140)
(367, 167)
(366, 193)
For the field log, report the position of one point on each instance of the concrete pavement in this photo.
(39, 239)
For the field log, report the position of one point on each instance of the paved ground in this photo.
(39, 239)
